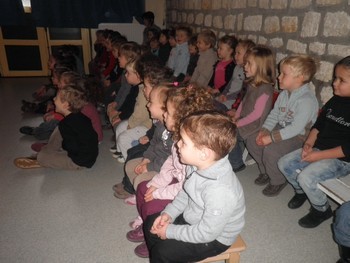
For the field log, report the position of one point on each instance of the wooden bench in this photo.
(338, 188)
(231, 255)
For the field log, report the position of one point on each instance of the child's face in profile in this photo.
(341, 82)
(150, 35)
(172, 41)
(122, 61)
(288, 80)
(154, 44)
(147, 88)
(162, 39)
(155, 106)
(169, 116)
(51, 62)
(62, 82)
(55, 79)
(224, 51)
(201, 45)
(181, 37)
(188, 152)
(250, 67)
(239, 55)
(60, 106)
(131, 76)
(108, 44)
(115, 52)
(192, 49)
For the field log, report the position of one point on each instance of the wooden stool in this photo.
(231, 255)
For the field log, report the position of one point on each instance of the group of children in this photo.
(204, 107)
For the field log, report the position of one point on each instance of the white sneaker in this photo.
(121, 159)
(113, 149)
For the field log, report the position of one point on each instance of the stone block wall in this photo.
(320, 28)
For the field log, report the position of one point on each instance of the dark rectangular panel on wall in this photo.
(65, 33)
(19, 32)
(24, 58)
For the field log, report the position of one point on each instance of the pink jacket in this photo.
(90, 111)
(172, 168)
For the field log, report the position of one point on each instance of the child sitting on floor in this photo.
(73, 144)
(207, 215)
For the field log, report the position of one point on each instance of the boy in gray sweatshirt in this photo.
(208, 214)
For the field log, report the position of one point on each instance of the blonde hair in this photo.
(162, 94)
(301, 65)
(211, 129)
(131, 50)
(208, 37)
(265, 65)
(74, 95)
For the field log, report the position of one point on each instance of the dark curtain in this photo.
(11, 13)
(84, 13)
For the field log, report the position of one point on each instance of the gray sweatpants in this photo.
(267, 156)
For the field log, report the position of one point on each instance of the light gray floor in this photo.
(61, 216)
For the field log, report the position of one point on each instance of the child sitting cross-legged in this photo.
(74, 143)
(154, 195)
(207, 215)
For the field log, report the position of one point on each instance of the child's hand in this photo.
(111, 106)
(149, 193)
(266, 140)
(106, 83)
(186, 79)
(142, 167)
(312, 156)
(143, 140)
(222, 98)
(160, 225)
(50, 106)
(307, 149)
(49, 116)
(231, 113)
(40, 92)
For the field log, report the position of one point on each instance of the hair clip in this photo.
(176, 84)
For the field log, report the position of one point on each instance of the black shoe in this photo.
(315, 217)
(26, 130)
(344, 254)
(297, 201)
(240, 168)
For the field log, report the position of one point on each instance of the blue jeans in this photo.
(236, 154)
(341, 225)
(304, 176)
